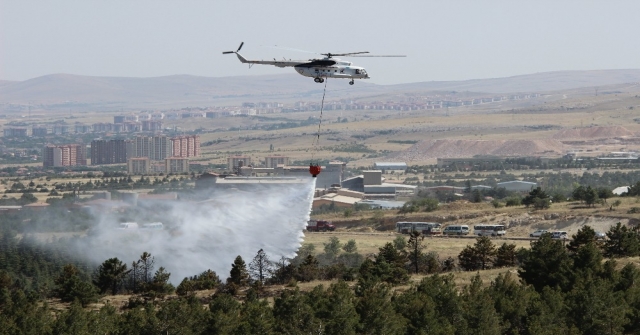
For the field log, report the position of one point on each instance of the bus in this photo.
(425, 228)
(489, 230)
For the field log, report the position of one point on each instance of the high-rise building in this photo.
(186, 146)
(15, 132)
(108, 152)
(64, 155)
(39, 131)
(176, 165)
(156, 148)
(274, 161)
(234, 162)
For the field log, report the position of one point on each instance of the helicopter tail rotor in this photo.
(234, 52)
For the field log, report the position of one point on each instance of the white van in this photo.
(456, 230)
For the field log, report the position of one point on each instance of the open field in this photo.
(369, 243)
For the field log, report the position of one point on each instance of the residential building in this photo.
(15, 132)
(39, 131)
(64, 155)
(138, 165)
(234, 162)
(176, 165)
(156, 148)
(274, 161)
(60, 129)
(108, 152)
(186, 146)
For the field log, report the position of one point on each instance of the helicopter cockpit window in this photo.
(357, 71)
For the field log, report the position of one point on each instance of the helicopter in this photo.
(319, 69)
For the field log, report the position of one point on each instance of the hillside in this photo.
(69, 91)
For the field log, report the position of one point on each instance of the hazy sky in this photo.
(444, 40)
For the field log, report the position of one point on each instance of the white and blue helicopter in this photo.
(327, 67)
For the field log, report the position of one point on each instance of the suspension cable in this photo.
(316, 139)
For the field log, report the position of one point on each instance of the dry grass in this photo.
(370, 243)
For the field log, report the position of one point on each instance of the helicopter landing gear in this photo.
(318, 80)
(351, 82)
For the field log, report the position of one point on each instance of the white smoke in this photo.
(209, 234)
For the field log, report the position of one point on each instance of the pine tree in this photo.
(260, 266)
(414, 248)
(238, 274)
(110, 275)
(293, 315)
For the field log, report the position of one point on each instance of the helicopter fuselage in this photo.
(341, 69)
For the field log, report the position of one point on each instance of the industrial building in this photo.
(372, 184)
(390, 166)
(517, 186)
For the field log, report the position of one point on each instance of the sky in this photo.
(443, 40)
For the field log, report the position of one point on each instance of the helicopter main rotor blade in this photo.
(381, 56)
(330, 54)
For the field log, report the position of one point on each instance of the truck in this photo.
(320, 225)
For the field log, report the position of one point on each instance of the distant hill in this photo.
(69, 91)
(537, 82)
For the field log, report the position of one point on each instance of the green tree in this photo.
(479, 311)
(70, 287)
(585, 235)
(160, 285)
(260, 266)
(350, 246)
(400, 242)
(547, 263)
(479, 256)
(621, 242)
(238, 275)
(414, 251)
(225, 315)
(110, 275)
(293, 315)
(605, 193)
(538, 198)
(332, 249)
(506, 255)
(309, 269)
(579, 193)
(590, 196)
(376, 312)
(339, 315)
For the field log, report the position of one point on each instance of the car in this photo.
(600, 235)
(560, 235)
(538, 233)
